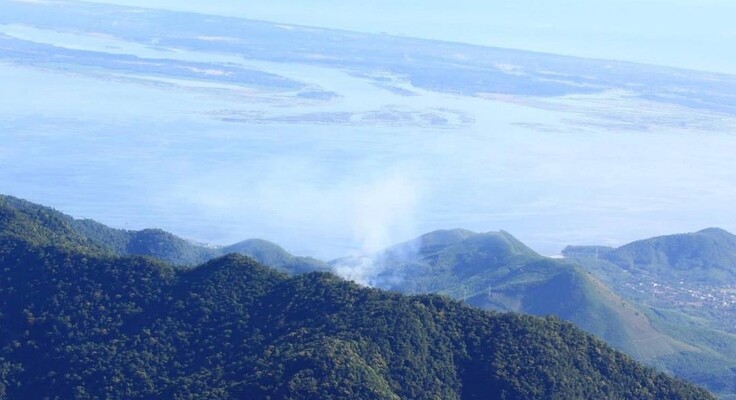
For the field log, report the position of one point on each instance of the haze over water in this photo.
(351, 163)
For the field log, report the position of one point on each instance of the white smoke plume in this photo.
(384, 213)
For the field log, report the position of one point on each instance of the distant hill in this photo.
(496, 271)
(492, 270)
(705, 255)
(74, 324)
(273, 255)
(44, 225)
(685, 281)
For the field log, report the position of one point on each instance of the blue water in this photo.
(355, 170)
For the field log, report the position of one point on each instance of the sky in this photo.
(688, 34)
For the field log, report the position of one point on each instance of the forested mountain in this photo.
(686, 283)
(630, 307)
(492, 270)
(39, 224)
(270, 254)
(496, 271)
(692, 272)
(705, 256)
(78, 322)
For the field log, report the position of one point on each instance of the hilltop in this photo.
(43, 225)
(80, 324)
(685, 284)
(496, 271)
(493, 271)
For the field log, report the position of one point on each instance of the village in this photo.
(701, 298)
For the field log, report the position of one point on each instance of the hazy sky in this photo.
(691, 34)
(578, 170)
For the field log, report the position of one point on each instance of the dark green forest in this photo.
(45, 225)
(78, 321)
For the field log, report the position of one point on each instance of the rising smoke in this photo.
(384, 212)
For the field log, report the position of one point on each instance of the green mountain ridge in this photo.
(496, 271)
(491, 270)
(706, 254)
(274, 255)
(44, 225)
(683, 282)
(81, 325)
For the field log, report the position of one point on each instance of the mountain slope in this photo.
(43, 225)
(492, 271)
(74, 325)
(40, 225)
(273, 255)
(709, 254)
(496, 271)
(685, 281)
(692, 270)
(705, 255)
